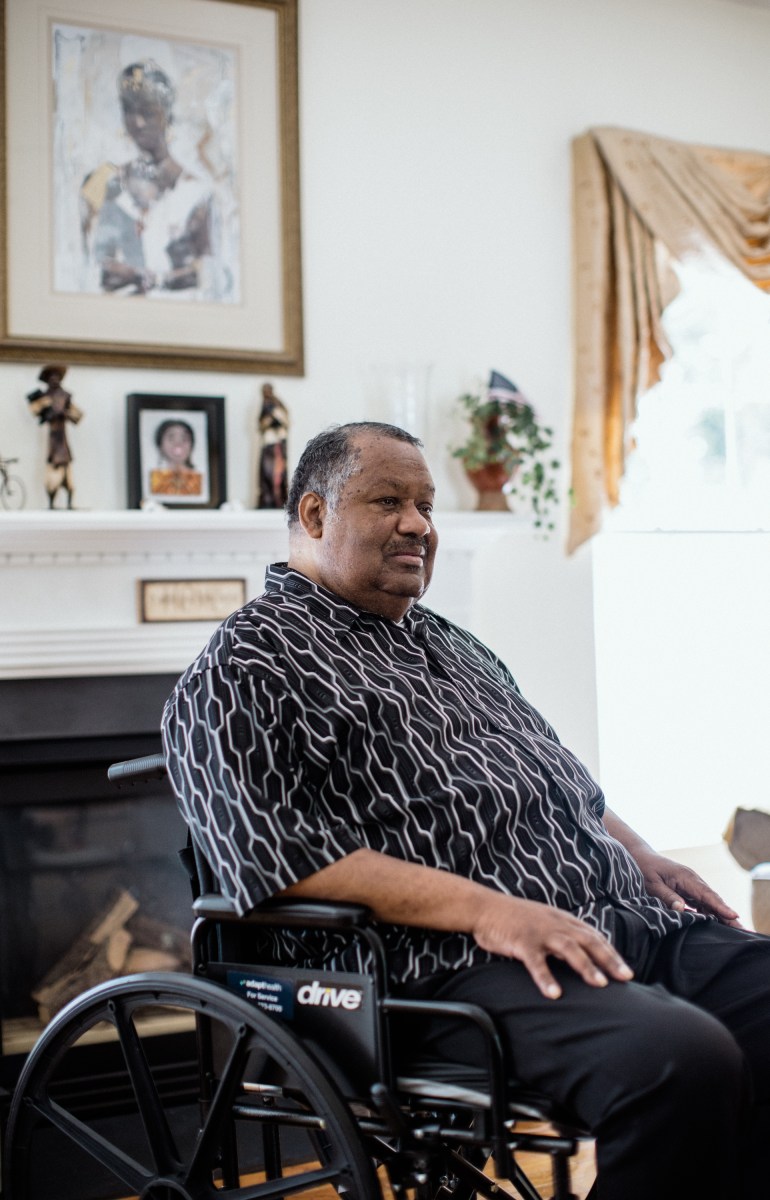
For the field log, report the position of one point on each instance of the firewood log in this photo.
(96, 955)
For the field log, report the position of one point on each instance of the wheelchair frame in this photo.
(280, 1073)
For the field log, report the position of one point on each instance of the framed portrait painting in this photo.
(149, 204)
(176, 451)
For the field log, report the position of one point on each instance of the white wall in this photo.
(683, 661)
(535, 609)
(683, 669)
(435, 210)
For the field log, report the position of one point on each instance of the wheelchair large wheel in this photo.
(268, 1122)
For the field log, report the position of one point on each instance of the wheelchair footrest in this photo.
(458, 1083)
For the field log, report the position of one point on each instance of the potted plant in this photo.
(506, 451)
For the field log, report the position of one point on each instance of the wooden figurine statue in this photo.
(54, 408)
(273, 484)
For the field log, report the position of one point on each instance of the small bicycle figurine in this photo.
(13, 493)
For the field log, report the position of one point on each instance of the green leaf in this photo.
(508, 432)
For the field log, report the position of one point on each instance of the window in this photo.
(681, 578)
(702, 437)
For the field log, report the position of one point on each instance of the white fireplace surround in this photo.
(69, 596)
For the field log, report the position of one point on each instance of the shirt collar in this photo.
(279, 577)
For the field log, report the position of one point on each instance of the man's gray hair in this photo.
(331, 457)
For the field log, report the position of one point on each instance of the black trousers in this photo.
(670, 1072)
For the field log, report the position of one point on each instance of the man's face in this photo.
(377, 546)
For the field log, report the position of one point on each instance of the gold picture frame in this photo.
(217, 285)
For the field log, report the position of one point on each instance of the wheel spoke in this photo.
(221, 1108)
(244, 1044)
(124, 1168)
(156, 1127)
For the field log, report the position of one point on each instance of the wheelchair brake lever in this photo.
(383, 1101)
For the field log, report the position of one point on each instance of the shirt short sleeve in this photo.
(242, 787)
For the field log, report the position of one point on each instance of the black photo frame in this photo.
(176, 451)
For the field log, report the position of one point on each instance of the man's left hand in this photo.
(681, 888)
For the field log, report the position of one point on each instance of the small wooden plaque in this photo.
(190, 599)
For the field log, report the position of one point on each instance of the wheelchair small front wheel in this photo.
(267, 1122)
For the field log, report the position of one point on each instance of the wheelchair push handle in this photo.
(151, 766)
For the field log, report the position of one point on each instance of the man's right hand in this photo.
(530, 931)
(410, 894)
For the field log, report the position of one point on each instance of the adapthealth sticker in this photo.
(274, 996)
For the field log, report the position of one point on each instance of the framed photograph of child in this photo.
(176, 451)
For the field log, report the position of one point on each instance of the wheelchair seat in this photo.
(298, 1084)
(464, 1084)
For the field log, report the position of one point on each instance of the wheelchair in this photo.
(299, 1088)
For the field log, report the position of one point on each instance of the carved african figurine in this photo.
(273, 431)
(54, 408)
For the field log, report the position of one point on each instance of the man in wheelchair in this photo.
(337, 740)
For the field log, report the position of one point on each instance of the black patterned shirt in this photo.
(307, 729)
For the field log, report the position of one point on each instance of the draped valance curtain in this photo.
(639, 203)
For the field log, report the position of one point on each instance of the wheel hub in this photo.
(166, 1189)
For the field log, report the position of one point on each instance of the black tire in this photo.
(150, 1150)
(13, 494)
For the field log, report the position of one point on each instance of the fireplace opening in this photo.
(91, 885)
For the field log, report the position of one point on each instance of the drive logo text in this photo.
(320, 996)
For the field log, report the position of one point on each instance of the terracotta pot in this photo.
(760, 897)
(489, 482)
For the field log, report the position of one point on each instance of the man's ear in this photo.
(312, 514)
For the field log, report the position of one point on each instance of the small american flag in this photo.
(500, 388)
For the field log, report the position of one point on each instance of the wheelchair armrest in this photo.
(289, 913)
(354, 920)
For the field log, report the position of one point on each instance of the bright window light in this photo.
(681, 578)
(702, 438)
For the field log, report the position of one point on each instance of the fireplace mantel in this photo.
(65, 536)
(70, 579)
